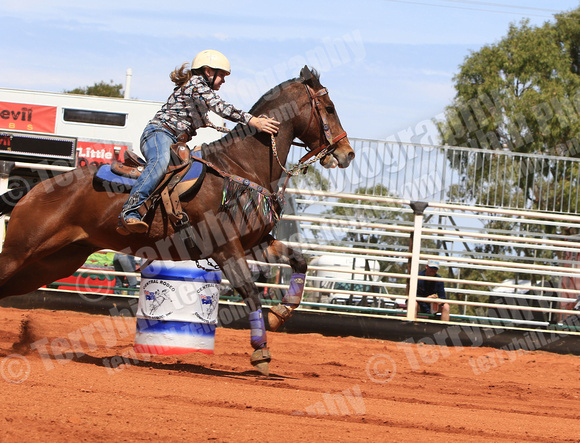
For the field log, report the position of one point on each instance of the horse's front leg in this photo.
(238, 273)
(278, 252)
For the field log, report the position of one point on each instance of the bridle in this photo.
(312, 155)
(324, 149)
(315, 109)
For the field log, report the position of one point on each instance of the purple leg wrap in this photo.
(294, 295)
(258, 330)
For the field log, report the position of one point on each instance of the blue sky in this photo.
(388, 64)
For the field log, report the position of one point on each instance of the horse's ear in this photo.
(310, 77)
(306, 74)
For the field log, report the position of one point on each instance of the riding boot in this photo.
(131, 223)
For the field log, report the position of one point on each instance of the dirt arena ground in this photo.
(76, 386)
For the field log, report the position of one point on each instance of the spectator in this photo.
(432, 289)
(262, 274)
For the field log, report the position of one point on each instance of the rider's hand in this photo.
(264, 124)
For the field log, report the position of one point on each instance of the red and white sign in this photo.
(95, 153)
(24, 117)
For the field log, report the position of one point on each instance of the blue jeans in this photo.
(156, 142)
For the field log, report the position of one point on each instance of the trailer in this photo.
(43, 134)
(42, 131)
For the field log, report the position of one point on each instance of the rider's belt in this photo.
(187, 134)
(170, 129)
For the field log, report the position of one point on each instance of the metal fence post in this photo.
(418, 209)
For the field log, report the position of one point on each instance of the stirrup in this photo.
(121, 229)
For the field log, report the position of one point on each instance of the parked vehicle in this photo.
(349, 280)
(516, 297)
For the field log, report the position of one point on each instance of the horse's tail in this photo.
(10, 198)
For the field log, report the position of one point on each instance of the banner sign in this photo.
(97, 153)
(24, 117)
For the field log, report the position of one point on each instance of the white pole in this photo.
(128, 83)
(419, 210)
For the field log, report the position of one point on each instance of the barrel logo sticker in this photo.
(158, 298)
(209, 299)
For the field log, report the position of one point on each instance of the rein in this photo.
(303, 163)
(310, 157)
(313, 155)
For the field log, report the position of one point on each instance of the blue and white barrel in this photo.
(178, 308)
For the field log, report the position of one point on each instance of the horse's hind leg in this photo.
(278, 252)
(58, 265)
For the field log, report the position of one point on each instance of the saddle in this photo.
(181, 180)
(180, 162)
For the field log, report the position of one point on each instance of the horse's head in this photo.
(322, 132)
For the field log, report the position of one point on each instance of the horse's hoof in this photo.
(260, 360)
(277, 316)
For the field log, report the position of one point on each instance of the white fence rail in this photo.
(479, 267)
(486, 252)
(437, 173)
(535, 250)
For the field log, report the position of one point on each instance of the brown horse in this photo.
(61, 221)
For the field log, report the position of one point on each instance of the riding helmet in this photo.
(213, 59)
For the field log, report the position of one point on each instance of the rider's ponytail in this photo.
(181, 75)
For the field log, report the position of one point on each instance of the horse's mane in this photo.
(281, 86)
(239, 129)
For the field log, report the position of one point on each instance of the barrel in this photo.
(178, 308)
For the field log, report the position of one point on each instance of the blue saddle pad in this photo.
(104, 173)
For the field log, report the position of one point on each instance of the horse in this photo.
(58, 223)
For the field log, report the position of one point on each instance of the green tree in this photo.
(101, 89)
(521, 94)
(311, 179)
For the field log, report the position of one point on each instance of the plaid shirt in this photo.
(187, 107)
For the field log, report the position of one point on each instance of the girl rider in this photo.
(185, 111)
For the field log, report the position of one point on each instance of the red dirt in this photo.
(320, 388)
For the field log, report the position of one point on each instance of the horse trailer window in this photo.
(94, 117)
